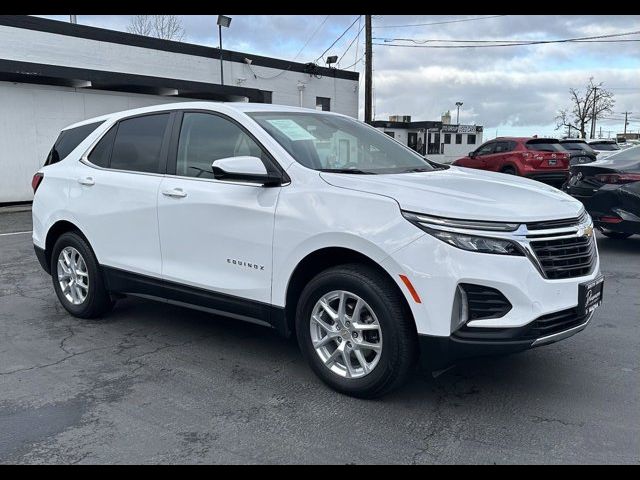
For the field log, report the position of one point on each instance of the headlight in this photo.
(448, 230)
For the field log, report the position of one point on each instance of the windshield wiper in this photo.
(355, 171)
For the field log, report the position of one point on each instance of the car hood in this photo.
(465, 193)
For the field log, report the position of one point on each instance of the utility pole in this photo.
(626, 122)
(73, 19)
(368, 71)
(593, 112)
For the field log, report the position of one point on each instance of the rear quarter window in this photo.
(68, 140)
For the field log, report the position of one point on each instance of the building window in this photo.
(267, 97)
(323, 103)
(458, 138)
(391, 134)
(471, 139)
(447, 138)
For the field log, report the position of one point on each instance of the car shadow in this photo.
(613, 245)
(464, 380)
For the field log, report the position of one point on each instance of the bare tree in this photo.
(594, 100)
(167, 27)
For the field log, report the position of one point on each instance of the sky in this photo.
(509, 90)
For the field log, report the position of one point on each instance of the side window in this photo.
(138, 143)
(68, 140)
(205, 138)
(101, 153)
(485, 149)
(502, 147)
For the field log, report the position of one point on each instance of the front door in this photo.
(412, 140)
(215, 235)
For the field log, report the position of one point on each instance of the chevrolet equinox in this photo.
(316, 225)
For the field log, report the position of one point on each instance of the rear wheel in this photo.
(77, 279)
(509, 171)
(616, 235)
(354, 331)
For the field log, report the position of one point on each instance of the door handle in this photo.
(88, 181)
(174, 193)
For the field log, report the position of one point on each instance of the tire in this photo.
(383, 305)
(616, 235)
(91, 301)
(509, 171)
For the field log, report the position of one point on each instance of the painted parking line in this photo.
(14, 233)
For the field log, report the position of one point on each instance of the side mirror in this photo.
(244, 169)
(472, 154)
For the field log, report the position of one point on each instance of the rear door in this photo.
(114, 193)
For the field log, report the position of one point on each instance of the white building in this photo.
(54, 73)
(439, 141)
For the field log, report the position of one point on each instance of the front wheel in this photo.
(354, 331)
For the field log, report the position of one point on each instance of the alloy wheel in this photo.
(73, 275)
(346, 334)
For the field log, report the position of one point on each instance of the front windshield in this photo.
(332, 143)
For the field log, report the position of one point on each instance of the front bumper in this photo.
(440, 352)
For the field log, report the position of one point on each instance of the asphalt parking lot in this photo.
(153, 383)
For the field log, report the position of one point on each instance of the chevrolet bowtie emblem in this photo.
(587, 231)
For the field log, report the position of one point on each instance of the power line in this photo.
(337, 39)
(494, 43)
(439, 23)
(312, 35)
(350, 45)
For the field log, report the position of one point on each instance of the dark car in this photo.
(610, 191)
(579, 150)
(542, 159)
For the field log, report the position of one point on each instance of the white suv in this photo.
(316, 225)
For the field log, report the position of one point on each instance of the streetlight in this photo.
(458, 104)
(223, 21)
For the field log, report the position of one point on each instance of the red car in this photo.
(542, 159)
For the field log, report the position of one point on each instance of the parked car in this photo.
(579, 150)
(604, 148)
(610, 191)
(372, 259)
(541, 159)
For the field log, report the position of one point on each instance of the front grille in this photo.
(485, 302)
(565, 257)
(566, 222)
(555, 323)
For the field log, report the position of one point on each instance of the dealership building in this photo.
(53, 74)
(441, 141)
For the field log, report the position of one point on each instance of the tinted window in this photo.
(68, 140)
(138, 143)
(604, 146)
(447, 138)
(471, 139)
(544, 146)
(101, 153)
(205, 138)
(502, 147)
(485, 149)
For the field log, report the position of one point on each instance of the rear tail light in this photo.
(610, 219)
(36, 181)
(618, 178)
